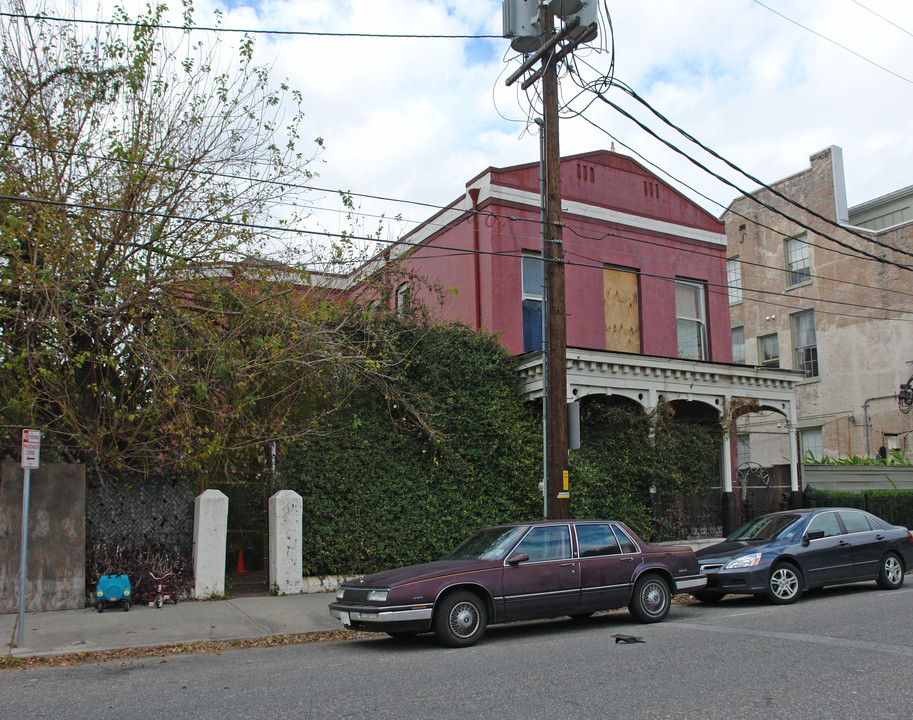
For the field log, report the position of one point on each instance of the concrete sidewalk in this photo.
(245, 618)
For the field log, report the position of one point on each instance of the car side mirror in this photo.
(517, 558)
(814, 535)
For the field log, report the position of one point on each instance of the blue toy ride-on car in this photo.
(112, 589)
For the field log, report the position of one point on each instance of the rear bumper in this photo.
(380, 619)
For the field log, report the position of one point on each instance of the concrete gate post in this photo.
(285, 541)
(210, 532)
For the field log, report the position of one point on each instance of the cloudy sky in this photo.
(415, 119)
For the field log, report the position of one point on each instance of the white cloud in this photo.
(416, 119)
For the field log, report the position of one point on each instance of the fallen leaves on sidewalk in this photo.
(9, 662)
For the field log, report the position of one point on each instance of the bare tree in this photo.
(140, 177)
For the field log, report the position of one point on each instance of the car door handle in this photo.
(568, 564)
(843, 543)
(627, 559)
(879, 537)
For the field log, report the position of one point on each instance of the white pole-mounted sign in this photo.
(31, 452)
(31, 448)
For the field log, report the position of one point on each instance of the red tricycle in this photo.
(161, 591)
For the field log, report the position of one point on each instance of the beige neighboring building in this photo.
(800, 301)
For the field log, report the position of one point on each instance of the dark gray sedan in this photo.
(781, 554)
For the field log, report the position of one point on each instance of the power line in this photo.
(708, 267)
(682, 183)
(247, 31)
(722, 288)
(640, 240)
(351, 236)
(484, 213)
(726, 181)
(769, 188)
(834, 42)
(882, 17)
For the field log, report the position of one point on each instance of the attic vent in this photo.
(585, 172)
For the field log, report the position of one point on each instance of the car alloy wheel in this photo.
(460, 620)
(890, 577)
(785, 585)
(650, 601)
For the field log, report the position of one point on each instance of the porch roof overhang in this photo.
(649, 380)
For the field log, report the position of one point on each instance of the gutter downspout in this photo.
(477, 273)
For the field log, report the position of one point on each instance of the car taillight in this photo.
(910, 536)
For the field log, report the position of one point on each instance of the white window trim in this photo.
(701, 320)
(734, 279)
(802, 240)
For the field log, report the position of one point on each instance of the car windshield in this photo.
(768, 527)
(488, 544)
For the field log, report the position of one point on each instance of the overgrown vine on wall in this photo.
(382, 488)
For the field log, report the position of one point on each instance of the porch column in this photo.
(727, 462)
(727, 507)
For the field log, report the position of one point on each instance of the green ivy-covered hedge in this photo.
(625, 452)
(379, 490)
(895, 506)
(399, 477)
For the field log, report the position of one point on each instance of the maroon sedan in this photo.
(520, 572)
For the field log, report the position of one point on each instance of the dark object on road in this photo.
(627, 639)
(781, 554)
(520, 572)
(112, 589)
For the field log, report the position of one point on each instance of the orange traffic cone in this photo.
(240, 568)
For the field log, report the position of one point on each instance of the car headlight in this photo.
(378, 595)
(744, 561)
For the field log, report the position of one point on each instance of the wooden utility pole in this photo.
(557, 505)
(554, 352)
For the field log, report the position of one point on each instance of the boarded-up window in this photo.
(622, 315)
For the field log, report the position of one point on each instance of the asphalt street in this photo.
(837, 653)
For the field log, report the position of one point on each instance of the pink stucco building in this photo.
(645, 267)
(646, 294)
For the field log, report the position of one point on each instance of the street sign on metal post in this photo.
(31, 448)
(30, 457)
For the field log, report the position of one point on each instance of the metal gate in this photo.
(758, 490)
(247, 546)
(758, 484)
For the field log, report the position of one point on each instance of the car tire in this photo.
(126, 605)
(460, 619)
(651, 599)
(99, 607)
(784, 584)
(708, 598)
(890, 573)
